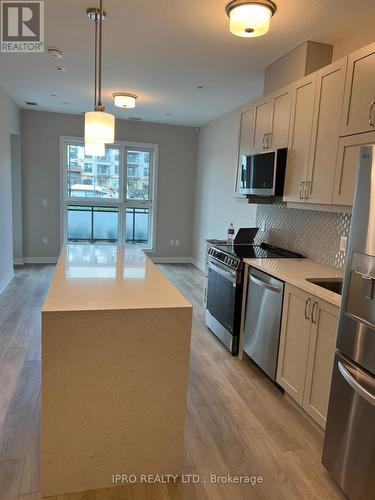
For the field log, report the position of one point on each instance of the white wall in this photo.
(9, 124)
(215, 205)
(15, 145)
(365, 35)
(40, 169)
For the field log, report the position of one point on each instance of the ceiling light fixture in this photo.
(125, 100)
(250, 18)
(55, 52)
(99, 126)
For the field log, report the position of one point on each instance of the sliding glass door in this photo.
(110, 198)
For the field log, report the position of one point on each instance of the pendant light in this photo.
(250, 18)
(99, 125)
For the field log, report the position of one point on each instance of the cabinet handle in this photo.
(371, 123)
(269, 140)
(301, 190)
(307, 313)
(307, 190)
(264, 141)
(315, 309)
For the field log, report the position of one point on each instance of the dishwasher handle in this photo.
(263, 284)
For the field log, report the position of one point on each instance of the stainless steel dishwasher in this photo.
(263, 320)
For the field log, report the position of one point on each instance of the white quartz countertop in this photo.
(109, 277)
(295, 272)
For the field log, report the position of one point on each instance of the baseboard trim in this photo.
(40, 260)
(197, 264)
(171, 260)
(18, 261)
(5, 282)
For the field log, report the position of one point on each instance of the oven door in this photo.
(223, 299)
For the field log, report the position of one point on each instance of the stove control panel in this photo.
(229, 261)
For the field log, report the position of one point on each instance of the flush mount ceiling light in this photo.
(99, 126)
(125, 100)
(250, 18)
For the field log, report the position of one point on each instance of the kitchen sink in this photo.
(331, 284)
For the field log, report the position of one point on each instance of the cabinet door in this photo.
(280, 119)
(358, 116)
(300, 138)
(261, 124)
(244, 145)
(322, 348)
(294, 342)
(326, 131)
(346, 167)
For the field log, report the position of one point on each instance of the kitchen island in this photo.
(115, 359)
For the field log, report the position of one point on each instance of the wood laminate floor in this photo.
(238, 422)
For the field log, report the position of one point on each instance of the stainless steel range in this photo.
(225, 285)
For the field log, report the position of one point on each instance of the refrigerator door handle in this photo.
(356, 386)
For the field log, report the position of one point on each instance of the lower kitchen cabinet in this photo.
(324, 322)
(294, 342)
(307, 348)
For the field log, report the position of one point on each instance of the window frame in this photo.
(121, 203)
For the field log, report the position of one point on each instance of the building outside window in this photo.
(110, 198)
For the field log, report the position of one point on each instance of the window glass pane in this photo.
(138, 175)
(93, 177)
(79, 223)
(137, 225)
(92, 223)
(105, 224)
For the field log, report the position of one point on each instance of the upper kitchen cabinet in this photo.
(271, 119)
(261, 123)
(301, 123)
(359, 103)
(244, 143)
(280, 119)
(325, 132)
(346, 166)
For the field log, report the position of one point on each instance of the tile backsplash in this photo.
(314, 234)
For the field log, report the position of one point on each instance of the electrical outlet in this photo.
(177, 243)
(171, 243)
(343, 243)
(44, 202)
(45, 240)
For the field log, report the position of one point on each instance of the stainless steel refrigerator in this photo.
(349, 442)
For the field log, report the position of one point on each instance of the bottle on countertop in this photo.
(230, 234)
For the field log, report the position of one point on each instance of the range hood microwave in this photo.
(263, 174)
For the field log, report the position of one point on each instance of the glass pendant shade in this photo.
(250, 20)
(99, 128)
(94, 149)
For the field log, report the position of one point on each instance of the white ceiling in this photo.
(163, 49)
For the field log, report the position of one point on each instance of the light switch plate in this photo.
(343, 243)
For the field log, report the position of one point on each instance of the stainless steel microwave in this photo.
(263, 174)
